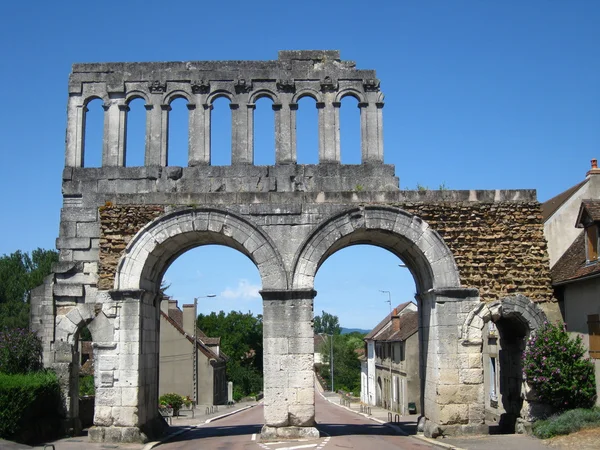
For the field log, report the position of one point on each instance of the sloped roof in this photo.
(408, 325)
(591, 208)
(549, 207)
(572, 265)
(385, 321)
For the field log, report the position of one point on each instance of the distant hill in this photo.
(352, 330)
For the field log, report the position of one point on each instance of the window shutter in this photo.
(594, 335)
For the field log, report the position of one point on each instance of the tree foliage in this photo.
(19, 274)
(555, 367)
(242, 341)
(327, 323)
(346, 365)
(20, 351)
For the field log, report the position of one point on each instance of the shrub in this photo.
(20, 351)
(172, 400)
(30, 406)
(568, 422)
(86, 385)
(554, 366)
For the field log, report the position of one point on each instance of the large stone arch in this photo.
(159, 243)
(410, 238)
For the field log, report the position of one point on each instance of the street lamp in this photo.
(195, 347)
(389, 300)
(330, 357)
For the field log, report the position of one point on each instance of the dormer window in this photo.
(589, 219)
(591, 243)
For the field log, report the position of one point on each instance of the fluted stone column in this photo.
(157, 128)
(242, 144)
(285, 131)
(199, 134)
(113, 150)
(75, 132)
(329, 129)
(371, 129)
(288, 344)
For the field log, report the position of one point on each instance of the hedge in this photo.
(30, 407)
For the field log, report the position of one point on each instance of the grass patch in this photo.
(567, 422)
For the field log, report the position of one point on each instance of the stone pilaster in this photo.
(285, 131)
(113, 151)
(126, 367)
(242, 141)
(199, 133)
(288, 363)
(75, 139)
(371, 128)
(329, 129)
(451, 374)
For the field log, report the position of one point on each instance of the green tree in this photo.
(346, 365)
(241, 340)
(327, 323)
(19, 274)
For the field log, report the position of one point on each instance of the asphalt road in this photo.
(339, 429)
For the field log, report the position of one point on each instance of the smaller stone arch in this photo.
(160, 242)
(262, 93)
(516, 307)
(350, 92)
(307, 92)
(69, 324)
(174, 95)
(135, 94)
(218, 94)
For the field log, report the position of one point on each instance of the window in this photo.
(594, 335)
(591, 243)
(493, 382)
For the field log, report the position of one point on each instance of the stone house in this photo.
(176, 357)
(575, 268)
(390, 365)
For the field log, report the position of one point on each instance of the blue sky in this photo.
(479, 95)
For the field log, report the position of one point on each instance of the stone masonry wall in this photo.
(118, 225)
(499, 247)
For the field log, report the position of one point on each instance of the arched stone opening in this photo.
(443, 303)
(498, 333)
(127, 358)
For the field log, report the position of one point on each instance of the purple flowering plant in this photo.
(20, 351)
(555, 366)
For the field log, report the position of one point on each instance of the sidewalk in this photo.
(407, 426)
(179, 425)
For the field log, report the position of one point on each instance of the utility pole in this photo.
(195, 348)
(389, 300)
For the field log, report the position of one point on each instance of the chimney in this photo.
(594, 170)
(189, 321)
(395, 320)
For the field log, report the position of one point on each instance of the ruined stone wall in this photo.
(118, 224)
(499, 247)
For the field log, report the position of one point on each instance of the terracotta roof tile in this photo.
(381, 325)
(572, 264)
(591, 208)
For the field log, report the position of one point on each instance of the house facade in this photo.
(575, 270)
(176, 368)
(390, 365)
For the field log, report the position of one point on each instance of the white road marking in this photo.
(254, 436)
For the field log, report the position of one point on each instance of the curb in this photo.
(153, 444)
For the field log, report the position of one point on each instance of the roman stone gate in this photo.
(478, 257)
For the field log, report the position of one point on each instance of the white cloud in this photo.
(244, 290)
